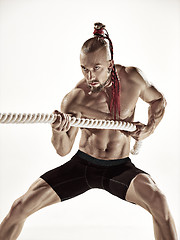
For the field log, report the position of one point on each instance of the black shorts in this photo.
(84, 172)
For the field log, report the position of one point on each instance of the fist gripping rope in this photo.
(7, 118)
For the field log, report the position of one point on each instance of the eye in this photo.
(97, 67)
(84, 69)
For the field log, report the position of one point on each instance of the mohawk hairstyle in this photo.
(95, 43)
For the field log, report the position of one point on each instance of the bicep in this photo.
(150, 94)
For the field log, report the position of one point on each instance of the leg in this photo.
(66, 181)
(39, 195)
(145, 193)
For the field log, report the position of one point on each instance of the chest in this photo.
(128, 100)
(101, 101)
(98, 101)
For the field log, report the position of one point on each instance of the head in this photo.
(96, 63)
(98, 67)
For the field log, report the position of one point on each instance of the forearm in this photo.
(60, 142)
(156, 113)
(63, 141)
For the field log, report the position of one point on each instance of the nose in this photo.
(91, 76)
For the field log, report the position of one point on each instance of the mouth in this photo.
(93, 83)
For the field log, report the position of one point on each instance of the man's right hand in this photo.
(62, 122)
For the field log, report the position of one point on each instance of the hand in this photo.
(62, 123)
(142, 131)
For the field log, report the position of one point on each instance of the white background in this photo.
(40, 42)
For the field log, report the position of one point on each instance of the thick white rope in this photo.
(16, 118)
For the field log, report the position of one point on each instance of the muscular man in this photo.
(107, 91)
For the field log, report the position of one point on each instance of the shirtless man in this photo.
(102, 160)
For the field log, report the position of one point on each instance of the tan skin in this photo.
(102, 144)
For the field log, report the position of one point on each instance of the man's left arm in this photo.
(156, 112)
(157, 104)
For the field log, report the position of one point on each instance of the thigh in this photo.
(118, 179)
(39, 195)
(68, 180)
(141, 190)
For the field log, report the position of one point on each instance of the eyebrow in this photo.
(83, 66)
(94, 64)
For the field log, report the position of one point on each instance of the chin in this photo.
(96, 89)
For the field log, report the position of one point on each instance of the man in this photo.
(107, 91)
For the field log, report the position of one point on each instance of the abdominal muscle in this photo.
(104, 144)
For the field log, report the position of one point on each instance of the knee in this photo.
(151, 195)
(144, 188)
(18, 210)
(159, 207)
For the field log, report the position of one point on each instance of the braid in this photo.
(116, 86)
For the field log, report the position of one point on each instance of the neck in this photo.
(108, 82)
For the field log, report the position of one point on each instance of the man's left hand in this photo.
(142, 131)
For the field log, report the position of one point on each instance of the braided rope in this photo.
(16, 118)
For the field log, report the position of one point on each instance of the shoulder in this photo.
(127, 71)
(136, 76)
(75, 95)
(119, 68)
(81, 84)
(132, 71)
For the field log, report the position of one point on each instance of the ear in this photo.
(111, 64)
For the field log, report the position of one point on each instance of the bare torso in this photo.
(108, 144)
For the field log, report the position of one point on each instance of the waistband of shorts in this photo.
(102, 162)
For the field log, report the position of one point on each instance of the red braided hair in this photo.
(116, 86)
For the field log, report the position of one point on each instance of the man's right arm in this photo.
(63, 136)
(73, 103)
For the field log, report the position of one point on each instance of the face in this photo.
(96, 69)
